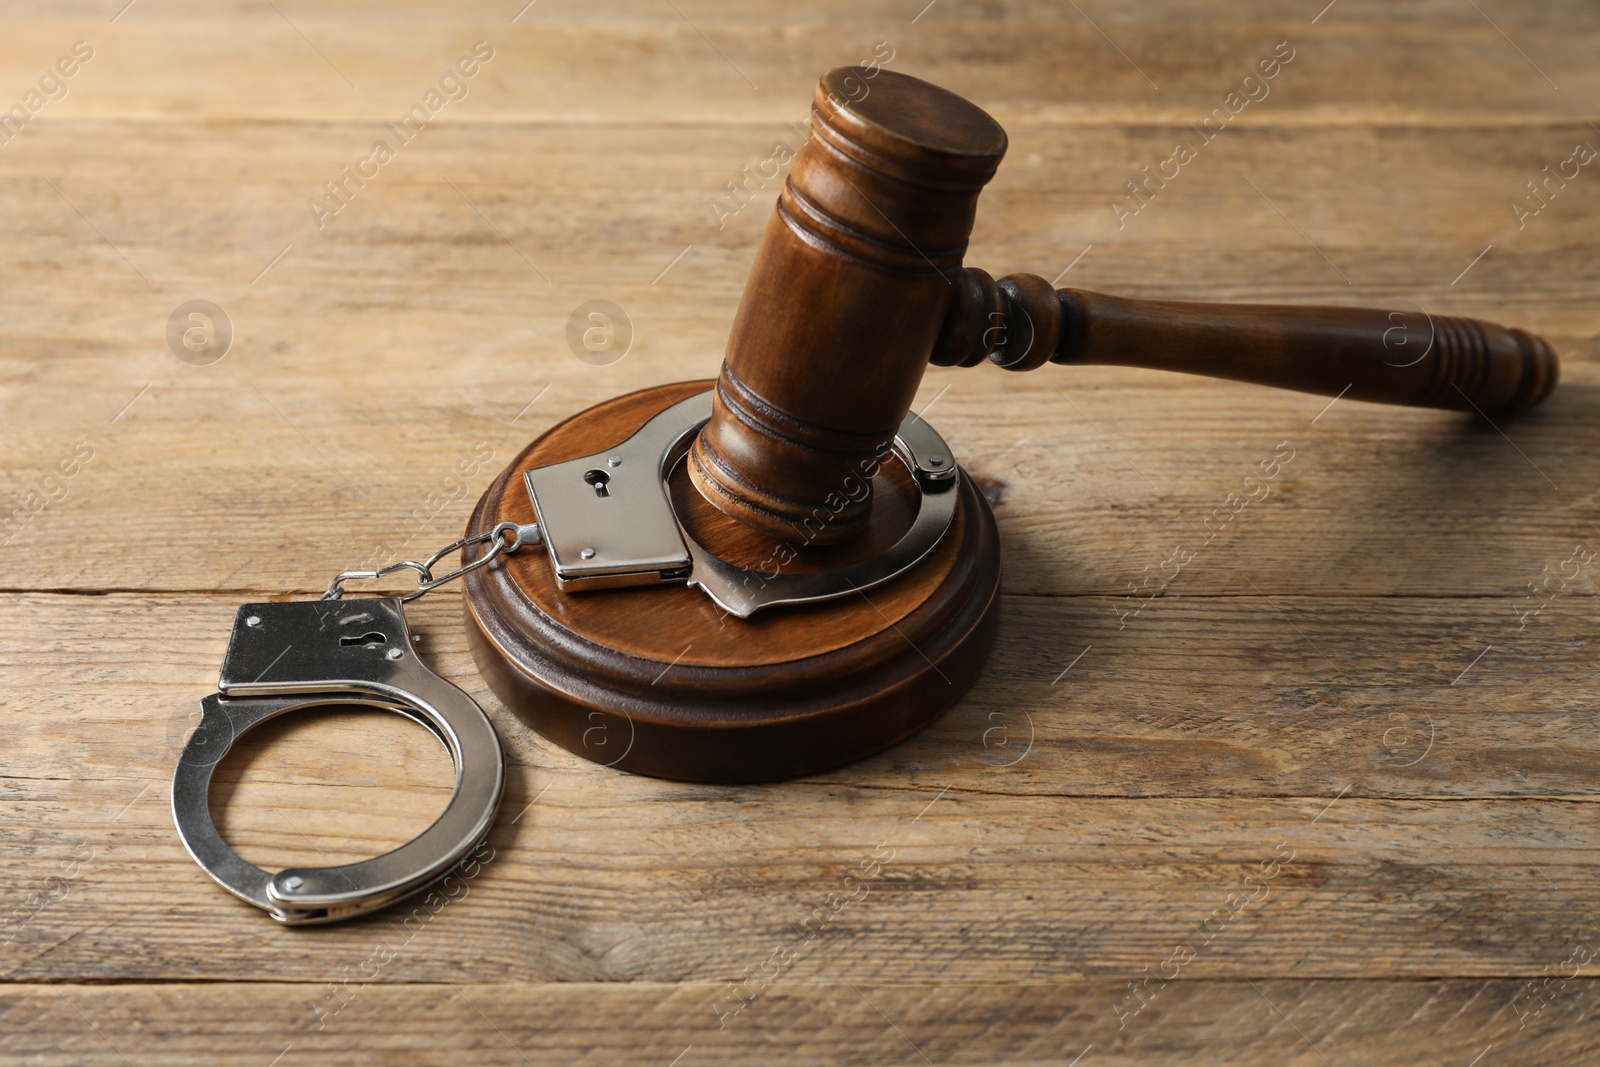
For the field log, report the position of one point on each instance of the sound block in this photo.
(661, 681)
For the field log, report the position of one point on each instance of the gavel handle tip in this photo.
(1541, 371)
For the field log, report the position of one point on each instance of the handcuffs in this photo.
(293, 655)
(607, 521)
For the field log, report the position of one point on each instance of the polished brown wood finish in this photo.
(841, 307)
(858, 283)
(661, 681)
(1393, 357)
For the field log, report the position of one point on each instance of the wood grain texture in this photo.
(1364, 635)
(1163, 769)
(850, 1022)
(418, 307)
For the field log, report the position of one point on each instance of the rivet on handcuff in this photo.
(295, 655)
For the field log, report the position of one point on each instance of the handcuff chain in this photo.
(500, 544)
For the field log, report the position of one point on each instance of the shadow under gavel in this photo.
(858, 285)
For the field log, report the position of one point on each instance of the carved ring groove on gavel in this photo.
(860, 565)
(858, 283)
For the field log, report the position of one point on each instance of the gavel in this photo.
(858, 285)
(721, 599)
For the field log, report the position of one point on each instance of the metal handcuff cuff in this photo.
(293, 655)
(608, 520)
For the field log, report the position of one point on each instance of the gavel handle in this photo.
(1021, 322)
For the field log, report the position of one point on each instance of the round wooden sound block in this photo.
(659, 680)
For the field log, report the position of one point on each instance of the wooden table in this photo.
(1325, 799)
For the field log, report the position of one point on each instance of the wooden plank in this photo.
(412, 337)
(1174, 760)
(843, 1020)
(1298, 696)
(709, 63)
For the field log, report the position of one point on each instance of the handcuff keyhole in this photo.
(370, 639)
(598, 478)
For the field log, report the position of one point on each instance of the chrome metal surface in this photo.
(629, 534)
(606, 517)
(305, 654)
(505, 538)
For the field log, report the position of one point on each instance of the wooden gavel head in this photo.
(841, 309)
(858, 283)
